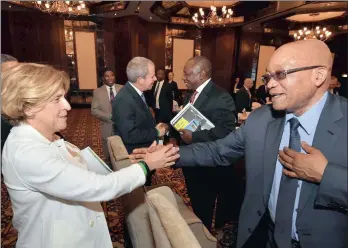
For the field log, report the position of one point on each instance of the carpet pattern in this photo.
(82, 131)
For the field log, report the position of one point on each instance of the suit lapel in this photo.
(163, 90)
(325, 136)
(105, 98)
(203, 95)
(138, 100)
(273, 137)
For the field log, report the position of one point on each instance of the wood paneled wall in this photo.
(246, 49)
(132, 36)
(218, 45)
(34, 37)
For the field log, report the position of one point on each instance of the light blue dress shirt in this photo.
(308, 121)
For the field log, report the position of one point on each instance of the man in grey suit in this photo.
(101, 106)
(299, 189)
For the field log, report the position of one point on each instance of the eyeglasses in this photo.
(280, 75)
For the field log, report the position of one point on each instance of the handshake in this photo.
(156, 156)
(162, 128)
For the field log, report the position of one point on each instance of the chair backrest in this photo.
(134, 203)
(169, 227)
(136, 208)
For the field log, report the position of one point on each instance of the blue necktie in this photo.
(287, 195)
(143, 97)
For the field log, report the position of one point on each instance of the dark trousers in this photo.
(202, 190)
(208, 185)
(230, 195)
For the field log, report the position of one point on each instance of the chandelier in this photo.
(319, 33)
(213, 18)
(65, 7)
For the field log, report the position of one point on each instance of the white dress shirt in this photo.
(200, 89)
(136, 89)
(113, 90)
(158, 88)
(55, 199)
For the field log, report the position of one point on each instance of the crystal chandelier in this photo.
(213, 18)
(65, 7)
(319, 33)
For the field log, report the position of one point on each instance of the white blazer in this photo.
(55, 200)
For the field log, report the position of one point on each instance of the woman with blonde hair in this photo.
(55, 199)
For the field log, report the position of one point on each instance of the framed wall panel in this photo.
(85, 45)
(183, 49)
(264, 56)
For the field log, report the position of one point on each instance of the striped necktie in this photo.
(143, 97)
(112, 96)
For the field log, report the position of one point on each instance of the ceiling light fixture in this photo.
(65, 7)
(319, 33)
(214, 18)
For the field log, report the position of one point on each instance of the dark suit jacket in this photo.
(175, 90)
(243, 101)
(5, 130)
(217, 106)
(132, 119)
(322, 219)
(261, 94)
(165, 102)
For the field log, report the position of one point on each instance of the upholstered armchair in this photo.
(156, 216)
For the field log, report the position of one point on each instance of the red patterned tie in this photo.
(192, 99)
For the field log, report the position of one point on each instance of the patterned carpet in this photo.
(83, 130)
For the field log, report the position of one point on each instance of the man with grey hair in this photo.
(133, 121)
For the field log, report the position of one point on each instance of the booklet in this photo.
(190, 118)
(94, 162)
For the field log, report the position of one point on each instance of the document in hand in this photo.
(190, 118)
(94, 162)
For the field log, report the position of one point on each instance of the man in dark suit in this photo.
(243, 97)
(162, 98)
(262, 94)
(131, 116)
(298, 189)
(218, 106)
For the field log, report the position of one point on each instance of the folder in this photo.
(191, 119)
(94, 162)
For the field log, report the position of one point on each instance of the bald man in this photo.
(298, 190)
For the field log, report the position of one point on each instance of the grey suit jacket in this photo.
(101, 108)
(322, 219)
